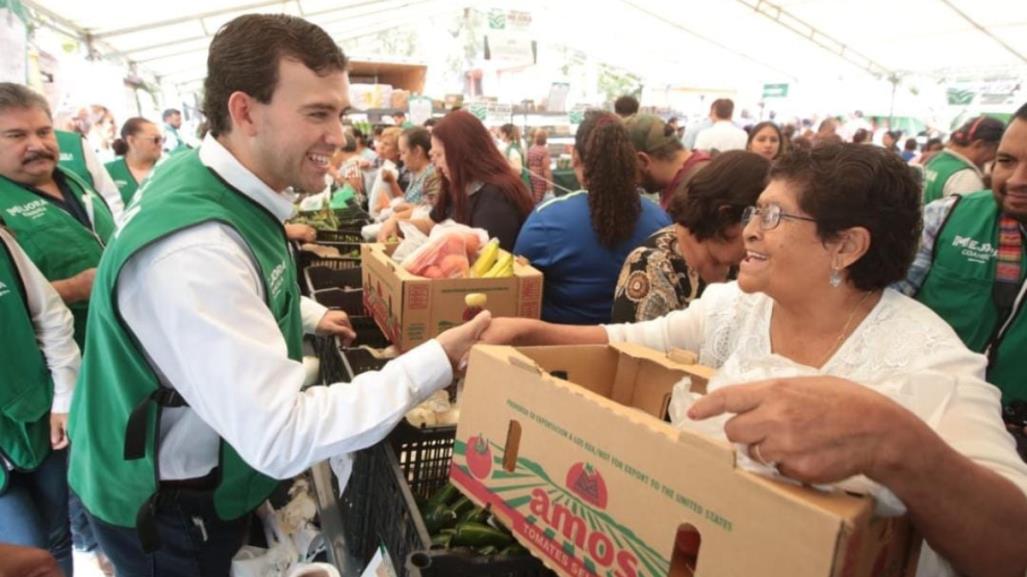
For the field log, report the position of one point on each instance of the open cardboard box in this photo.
(411, 309)
(569, 447)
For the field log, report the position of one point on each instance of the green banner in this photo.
(959, 97)
(775, 90)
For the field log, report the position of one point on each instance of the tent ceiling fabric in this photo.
(784, 39)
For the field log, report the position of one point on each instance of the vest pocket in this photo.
(28, 402)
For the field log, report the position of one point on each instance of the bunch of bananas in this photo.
(493, 262)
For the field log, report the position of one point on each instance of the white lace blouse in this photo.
(902, 350)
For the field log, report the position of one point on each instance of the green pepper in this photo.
(488, 551)
(476, 515)
(514, 550)
(441, 541)
(480, 535)
(462, 506)
(440, 518)
(441, 497)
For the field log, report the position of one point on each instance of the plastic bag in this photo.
(441, 258)
(413, 239)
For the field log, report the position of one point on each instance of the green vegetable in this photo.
(480, 535)
(462, 506)
(441, 497)
(441, 541)
(438, 519)
(488, 551)
(515, 550)
(477, 515)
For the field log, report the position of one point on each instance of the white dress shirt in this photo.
(55, 327)
(195, 302)
(722, 136)
(902, 350)
(103, 183)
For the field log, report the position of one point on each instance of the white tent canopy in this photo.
(675, 42)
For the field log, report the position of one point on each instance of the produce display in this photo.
(450, 257)
(457, 524)
(324, 219)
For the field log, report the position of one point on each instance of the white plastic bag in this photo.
(413, 239)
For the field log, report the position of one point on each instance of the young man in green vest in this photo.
(189, 408)
(173, 142)
(40, 365)
(971, 266)
(957, 168)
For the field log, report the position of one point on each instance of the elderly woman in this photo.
(675, 263)
(827, 374)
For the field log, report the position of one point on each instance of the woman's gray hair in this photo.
(17, 96)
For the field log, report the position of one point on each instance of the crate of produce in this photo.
(320, 277)
(349, 232)
(333, 255)
(392, 482)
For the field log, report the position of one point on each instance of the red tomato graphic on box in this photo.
(479, 457)
(587, 483)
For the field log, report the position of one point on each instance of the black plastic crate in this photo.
(350, 257)
(357, 361)
(349, 301)
(345, 233)
(320, 277)
(437, 563)
(394, 475)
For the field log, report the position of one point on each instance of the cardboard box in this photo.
(411, 309)
(592, 480)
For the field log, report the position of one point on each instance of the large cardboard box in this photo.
(569, 446)
(411, 309)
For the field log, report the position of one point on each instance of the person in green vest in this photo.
(173, 141)
(514, 152)
(958, 168)
(40, 365)
(139, 149)
(971, 266)
(61, 222)
(79, 158)
(189, 408)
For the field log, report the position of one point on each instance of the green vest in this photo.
(56, 242)
(938, 171)
(123, 179)
(26, 391)
(525, 174)
(959, 288)
(116, 379)
(72, 155)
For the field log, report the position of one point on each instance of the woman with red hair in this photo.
(479, 189)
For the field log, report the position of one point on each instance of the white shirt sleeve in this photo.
(194, 301)
(702, 140)
(55, 328)
(103, 183)
(312, 312)
(681, 329)
(963, 182)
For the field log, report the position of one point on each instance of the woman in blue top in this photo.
(580, 240)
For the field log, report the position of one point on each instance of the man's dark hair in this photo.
(848, 185)
(625, 106)
(431, 122)
(724, 108)
(1021, 113)
(169, 113)
(244, 57)
(714, 199)
(17, 96)
(910, 145)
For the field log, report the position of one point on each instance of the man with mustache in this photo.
(971, 263)
(59, 219)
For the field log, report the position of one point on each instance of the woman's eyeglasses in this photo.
(770, 216)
